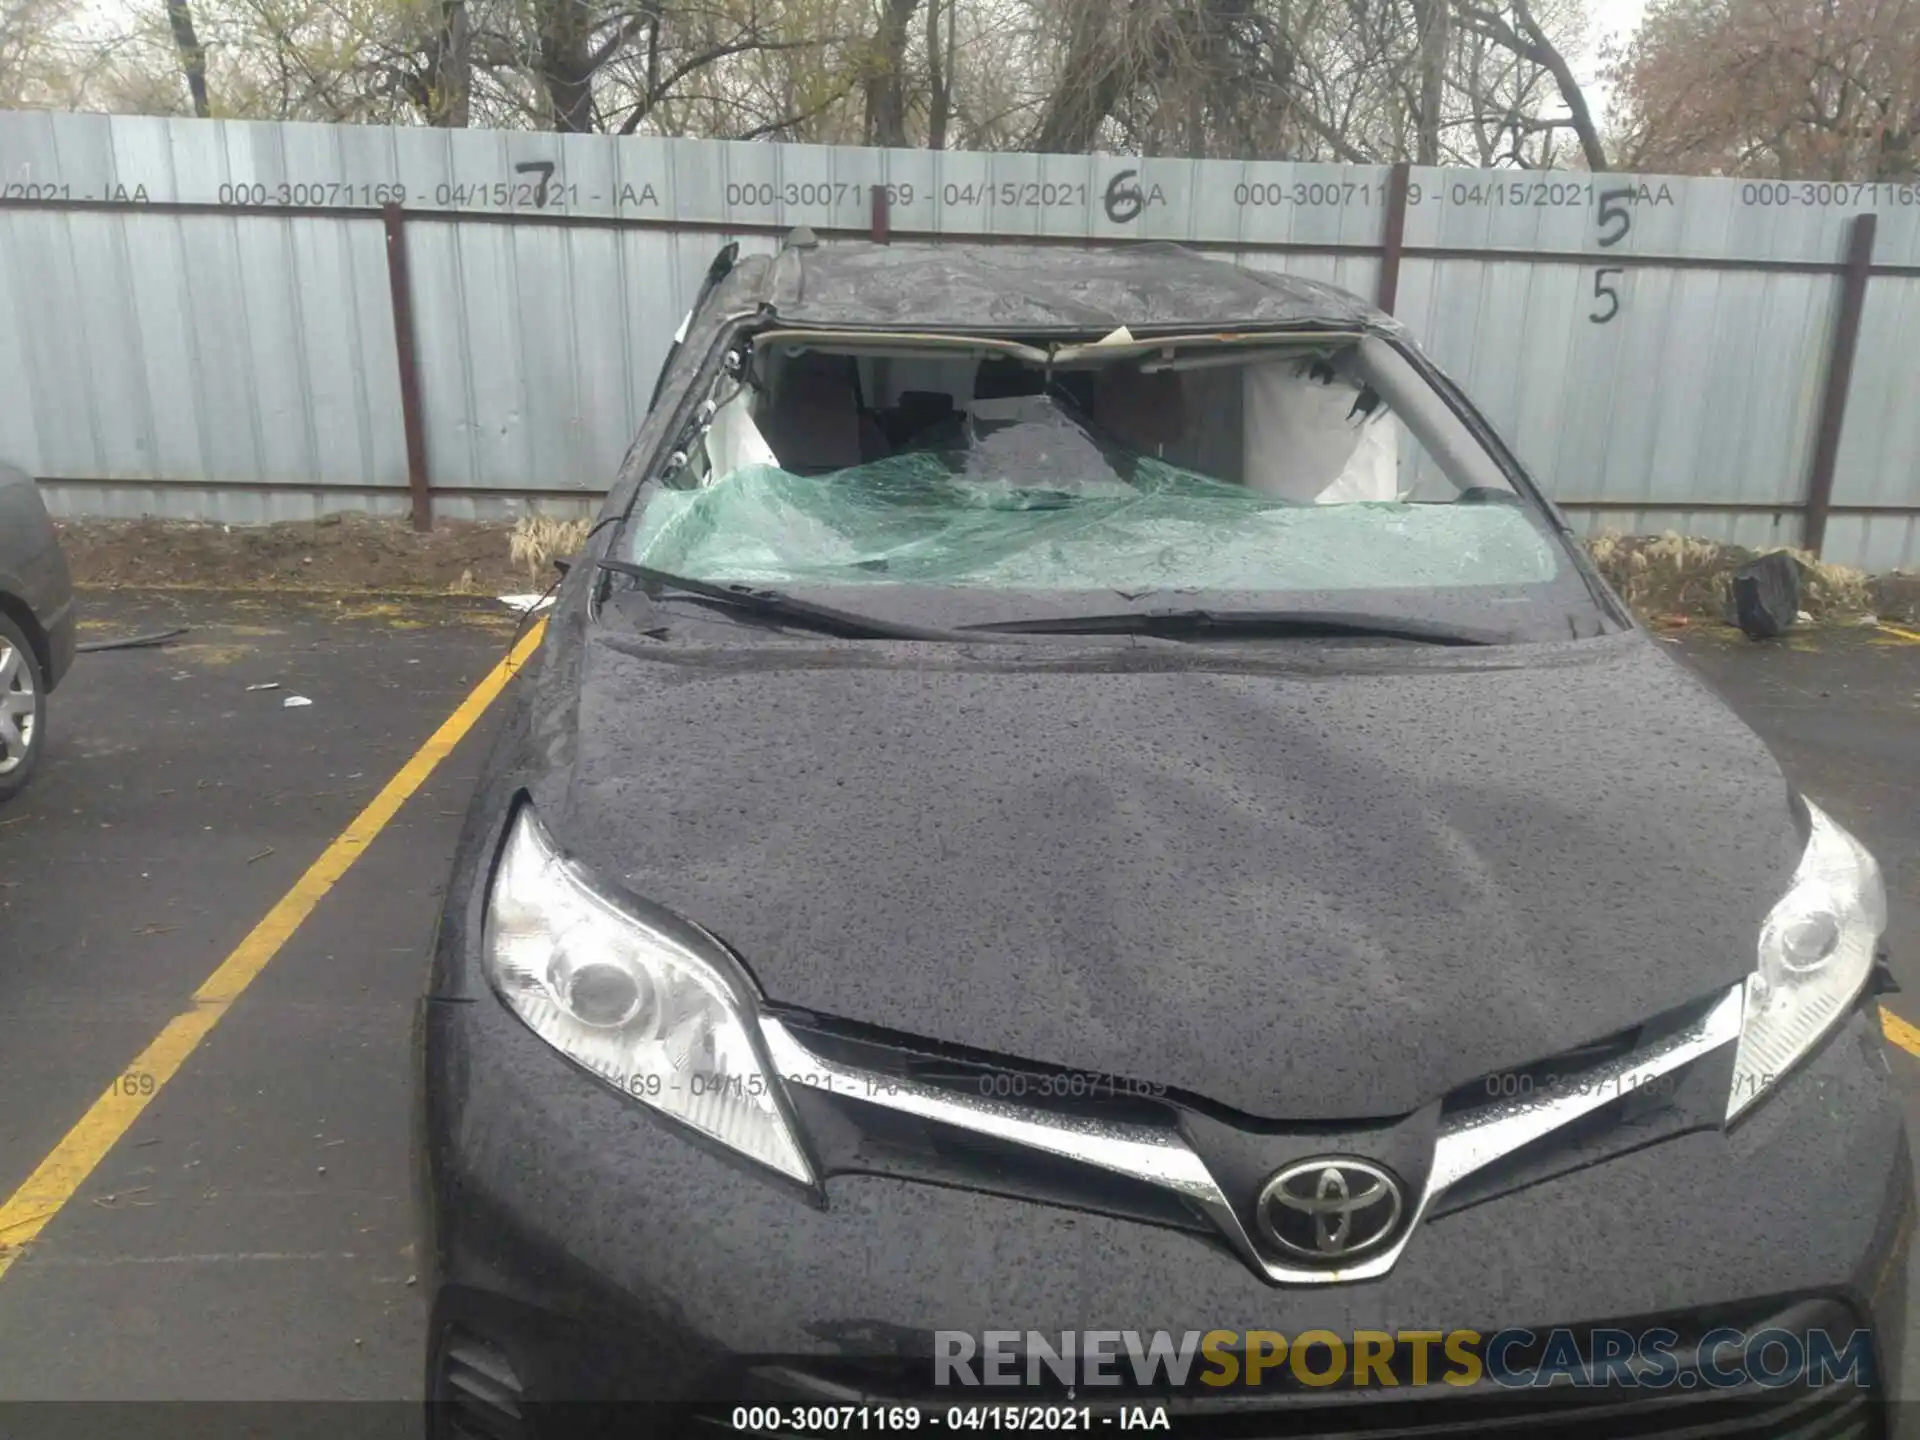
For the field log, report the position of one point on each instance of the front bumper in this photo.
(47, 587)
(583, 1250)
(62, 636)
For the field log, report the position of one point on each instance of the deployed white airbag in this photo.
(1306, 441)
(733, 441)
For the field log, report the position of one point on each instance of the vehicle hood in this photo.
(1306, 882)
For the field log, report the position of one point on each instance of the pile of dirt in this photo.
(348, 553)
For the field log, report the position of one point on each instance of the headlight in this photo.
(637, 1004)
(1816, 951)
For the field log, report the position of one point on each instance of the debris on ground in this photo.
(294, 702)
(1766, 596)
(269, 685)
(524, 603)
(130, 642)
(1680, 575)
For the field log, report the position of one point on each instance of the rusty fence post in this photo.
(882, 215)
(1393, 235)
(1833, 401)
(401, 287)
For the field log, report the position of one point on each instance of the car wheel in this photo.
(23, 710)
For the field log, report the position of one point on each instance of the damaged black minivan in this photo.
(1087, 791)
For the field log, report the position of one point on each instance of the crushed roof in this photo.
(960, 285)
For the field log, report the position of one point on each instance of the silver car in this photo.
(36, 626)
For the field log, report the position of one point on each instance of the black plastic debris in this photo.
(131, 642)
(1766, 595)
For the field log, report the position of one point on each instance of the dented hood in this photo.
(1307, 882)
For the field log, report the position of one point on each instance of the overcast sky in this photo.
(1607, 18)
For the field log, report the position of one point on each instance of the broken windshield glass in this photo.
(1293, 471)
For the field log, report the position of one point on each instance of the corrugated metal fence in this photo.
(199, 318)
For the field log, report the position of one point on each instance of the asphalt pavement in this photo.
(250, 1236)
(248, 1233)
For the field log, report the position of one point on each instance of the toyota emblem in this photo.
(1333, 1208)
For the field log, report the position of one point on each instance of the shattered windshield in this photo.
(1286, 470)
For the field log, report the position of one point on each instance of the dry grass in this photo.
(1670, 574)
(1678, 575)
(1828, 591)
(538, 540)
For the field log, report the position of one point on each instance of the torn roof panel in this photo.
(1048, 288)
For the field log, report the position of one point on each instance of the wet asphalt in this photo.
(251, 1235)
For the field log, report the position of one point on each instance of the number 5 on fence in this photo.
(1606, 293)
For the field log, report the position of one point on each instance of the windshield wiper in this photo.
(775, 605)
(1233, 624)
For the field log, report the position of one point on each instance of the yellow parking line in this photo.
(42, 1195)
(1912, 636)
(1906, 1036)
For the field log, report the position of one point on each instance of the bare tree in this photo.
(939, 73)
(1368, 81)
(193, 59)
(1354, 80)
(886, 77)
(28, 31)
(1520, 32)
(1104, 49)
(1435, 18)
(451, 101)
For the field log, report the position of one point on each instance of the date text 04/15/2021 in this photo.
(846, 1419)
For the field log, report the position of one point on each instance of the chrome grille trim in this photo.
(1474, 1141)
(1144, 1152)
(1163, 1158)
